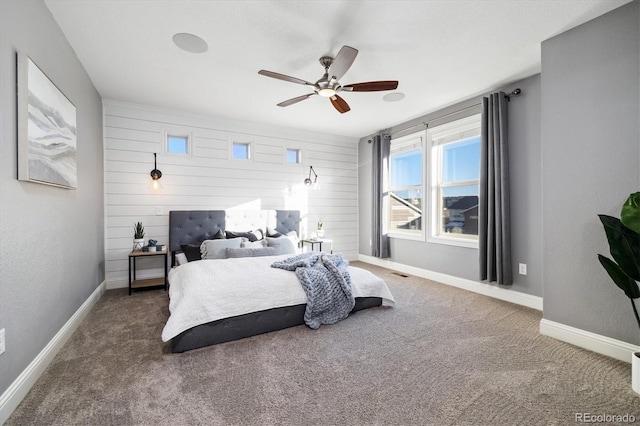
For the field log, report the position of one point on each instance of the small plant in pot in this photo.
(624, 244)
(138, 236)
(320, 231)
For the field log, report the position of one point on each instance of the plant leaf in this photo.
(622, 280)
(630, 214)
(624, 245)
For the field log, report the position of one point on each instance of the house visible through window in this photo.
(406, 186)
(294, 156)
(241, 150)
(455, 181)
(177, 144)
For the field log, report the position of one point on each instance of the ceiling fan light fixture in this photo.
(327, 92)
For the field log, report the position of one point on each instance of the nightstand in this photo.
(321, 241)
(147, 282)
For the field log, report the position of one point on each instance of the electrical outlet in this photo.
(1, 341)
(522, 268)
(158, 211)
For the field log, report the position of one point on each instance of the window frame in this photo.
(399, 233)
(166, 134)
(298, 156)
(435, 185)
(250, 151)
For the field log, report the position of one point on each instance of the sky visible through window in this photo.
(406, 169)
(177, 144)
(293, 156)
(461, 162)
(241, 151)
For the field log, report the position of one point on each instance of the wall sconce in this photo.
(155, 173)
(308, 181)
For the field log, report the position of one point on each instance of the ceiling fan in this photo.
(328, 86)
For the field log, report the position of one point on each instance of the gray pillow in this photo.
(284, 244)
(215, 249)
(252, 252)
(252, 244)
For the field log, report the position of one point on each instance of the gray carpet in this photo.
(442, 356)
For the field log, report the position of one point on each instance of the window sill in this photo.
(459, 242)
(402, 236)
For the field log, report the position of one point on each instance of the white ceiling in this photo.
(440, 51)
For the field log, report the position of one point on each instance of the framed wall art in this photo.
(46, 129)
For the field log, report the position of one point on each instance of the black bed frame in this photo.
(194, 226)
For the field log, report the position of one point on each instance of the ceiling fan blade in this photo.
(284, 77)
(340, 104)
(342, 62)
(371, 86)
(295, 100)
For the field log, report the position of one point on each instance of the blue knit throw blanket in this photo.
(327, 283)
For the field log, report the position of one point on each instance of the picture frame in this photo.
(47, 142)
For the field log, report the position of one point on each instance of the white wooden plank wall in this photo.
(210, 180)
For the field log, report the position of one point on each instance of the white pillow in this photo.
(216, 249)
(181, 258)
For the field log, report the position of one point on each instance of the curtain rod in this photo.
(516, 92)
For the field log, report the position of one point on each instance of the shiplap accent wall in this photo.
(209, 179)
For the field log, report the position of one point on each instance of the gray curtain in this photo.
(494, 231)
(380, 241)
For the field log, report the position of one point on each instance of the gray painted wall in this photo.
(51, 239)
(524, 157)
(590, 164)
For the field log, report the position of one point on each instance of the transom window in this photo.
(405, 206)
(177, 143)
(241, 150)
(293, 156)
(455, 181)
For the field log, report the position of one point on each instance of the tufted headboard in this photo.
(195, 226)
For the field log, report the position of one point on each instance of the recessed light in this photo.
(190, 43)
(393, 97)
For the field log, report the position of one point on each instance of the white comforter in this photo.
(212, 289)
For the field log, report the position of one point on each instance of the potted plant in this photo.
(624, 244)
(320, 231)
(138, 236)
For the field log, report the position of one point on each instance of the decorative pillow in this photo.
(253, 244)
(219, 235)
(252, 252)
(181, 258)
(259, 233)
(273, 233)
(284, 244)
(215, 249)
(247, 235)
(191, 251)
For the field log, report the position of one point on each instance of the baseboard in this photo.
(585, 339)
(523, 299)
(12, 397)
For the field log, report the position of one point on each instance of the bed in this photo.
(201, 316)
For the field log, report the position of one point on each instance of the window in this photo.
(404, 217)
(241, 150)
(177, 142)
(455, 181)
(293, 156)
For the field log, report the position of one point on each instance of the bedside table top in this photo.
(136, 253)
